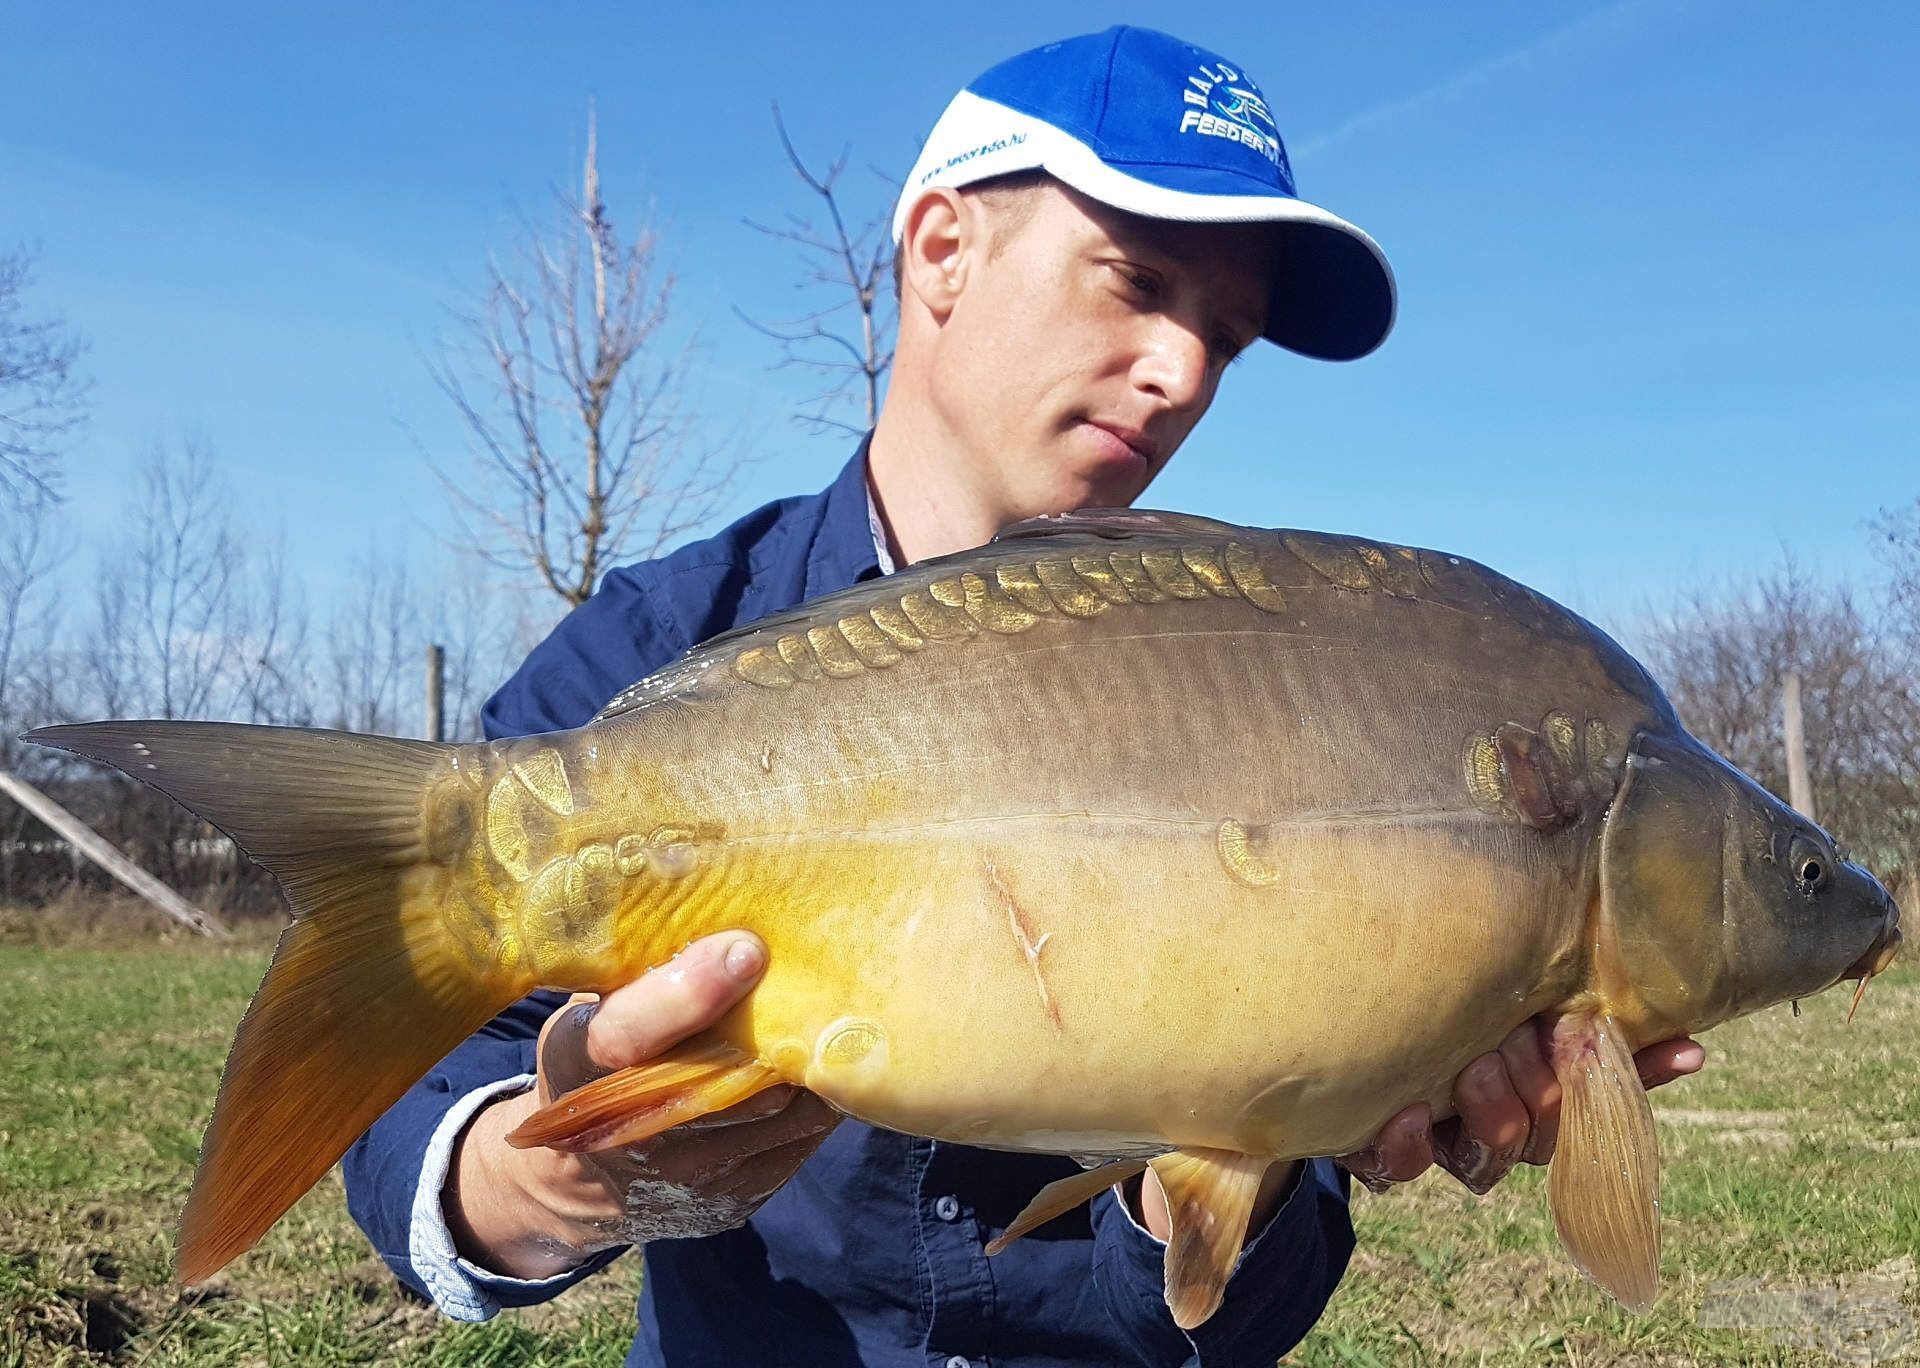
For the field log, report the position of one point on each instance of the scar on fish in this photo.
(1030, 947)
(1544, 778)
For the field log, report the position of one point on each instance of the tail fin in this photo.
(367, 989)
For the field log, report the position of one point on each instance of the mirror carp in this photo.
(1130, 835)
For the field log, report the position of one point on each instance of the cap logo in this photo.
(1223, 103)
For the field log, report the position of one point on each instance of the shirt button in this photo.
(948, 1209)
(957, 1361)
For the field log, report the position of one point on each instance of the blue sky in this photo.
(1658, 309)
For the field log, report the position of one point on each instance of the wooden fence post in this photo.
(436, 693)
(1799, 788)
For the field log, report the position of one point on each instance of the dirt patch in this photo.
(1779, 1130)
(97, 1315)
(1509, 1286)
(1740, 1120)
(1766, 1130)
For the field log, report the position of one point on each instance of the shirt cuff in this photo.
(463, 1290)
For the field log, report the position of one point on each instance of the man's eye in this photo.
(1140, 282)
(1228, 350)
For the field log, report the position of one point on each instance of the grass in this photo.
(1791, 1193)
(111, 1051)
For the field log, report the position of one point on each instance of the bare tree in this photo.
(851, 352)
(1897, 536)
(171, 637)
(28, 621)
(167, 606)
(576, 406)
(190, 620)
(43, 399)
(273, 678)
(483, 636)
(26, 683)
(1723, 655)
(1897, 547)
(373, 649)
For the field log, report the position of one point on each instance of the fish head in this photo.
(1721, 899)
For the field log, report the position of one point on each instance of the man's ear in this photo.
(942, 237)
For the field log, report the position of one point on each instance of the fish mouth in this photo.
(1879, 956)
(1877, 959)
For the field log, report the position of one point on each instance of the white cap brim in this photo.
(1335, 299)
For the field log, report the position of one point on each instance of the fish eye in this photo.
(1810, 866)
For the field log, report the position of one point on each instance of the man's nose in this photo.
(1174, 366)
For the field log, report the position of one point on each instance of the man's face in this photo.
(1086, 343)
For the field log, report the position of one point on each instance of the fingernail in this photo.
(744, 958)
(1476, 1166)
(1365, 1165)
(1483, 1080)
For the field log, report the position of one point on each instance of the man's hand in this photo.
(534, 1213)
(1508, 1105)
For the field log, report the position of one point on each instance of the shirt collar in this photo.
(878, 529)
(850, 544)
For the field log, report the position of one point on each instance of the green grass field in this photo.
(1792, 1201)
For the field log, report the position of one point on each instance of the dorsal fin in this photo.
(674, 680)
(1119, 522)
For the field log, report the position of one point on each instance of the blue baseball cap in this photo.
(1155, 126)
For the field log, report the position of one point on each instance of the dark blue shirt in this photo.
(872, 1254)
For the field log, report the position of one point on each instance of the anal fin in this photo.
(636, 1104)
(1604, 1186)
(1060, 1197)
(1210, 1196)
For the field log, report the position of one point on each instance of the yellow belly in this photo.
(1095, 987)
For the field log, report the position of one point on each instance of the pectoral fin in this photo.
(1605, 1182)
(636, 1104)
(1058, 1198)
(1210, 1195)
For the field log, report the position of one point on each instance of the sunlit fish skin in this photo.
(1128, 834)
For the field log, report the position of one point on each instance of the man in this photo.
(1094, 230)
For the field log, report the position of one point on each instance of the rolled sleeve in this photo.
(396, 1172)
(462, 1289)
(1277, 1290)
